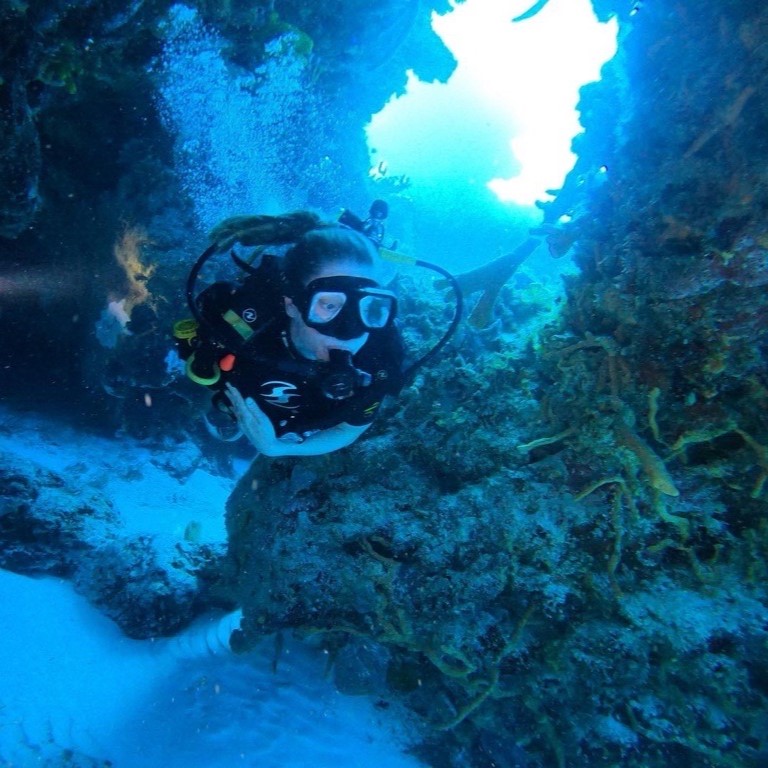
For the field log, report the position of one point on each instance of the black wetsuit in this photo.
(285, 385)
(289, 390)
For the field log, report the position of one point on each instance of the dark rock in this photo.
(20, 160)
(360, 668)
(145, 594)
(48, 526)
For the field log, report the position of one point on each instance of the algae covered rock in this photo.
(48, 526)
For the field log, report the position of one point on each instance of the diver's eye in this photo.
(325, 306)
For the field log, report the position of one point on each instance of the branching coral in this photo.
(725, 120)
(652, 465)
(542, 441)
(709, 434)
(489, 686)
(490, 278)
(617, 519)
(761, 452)
(653, 412)
(613, 372)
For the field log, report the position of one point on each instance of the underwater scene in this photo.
(383, 383)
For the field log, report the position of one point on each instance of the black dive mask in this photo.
(345, 307)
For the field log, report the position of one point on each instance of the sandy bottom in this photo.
(70, 680)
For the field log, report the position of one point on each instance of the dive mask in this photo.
(345, 307)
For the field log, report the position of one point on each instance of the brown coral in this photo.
(128, 254)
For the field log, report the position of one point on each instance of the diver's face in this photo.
(310, 342)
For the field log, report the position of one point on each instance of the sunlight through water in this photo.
(507, 116)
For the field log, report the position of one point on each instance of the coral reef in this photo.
(49, 526)
(553, 547)
(509, 586)
(557, 548)
(57, 57)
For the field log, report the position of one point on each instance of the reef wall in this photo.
(552, 549)
(555, 552)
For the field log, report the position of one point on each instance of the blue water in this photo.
(570, 499)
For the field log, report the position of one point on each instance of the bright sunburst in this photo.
(507, 116)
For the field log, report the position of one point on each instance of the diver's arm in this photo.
(259, 430)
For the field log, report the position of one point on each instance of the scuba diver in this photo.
(302, 351)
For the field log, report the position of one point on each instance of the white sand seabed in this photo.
(149, 499)
(69, 679)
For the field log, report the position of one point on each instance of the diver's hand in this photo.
(258, 429)
(255, 424)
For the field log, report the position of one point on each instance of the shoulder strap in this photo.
(235, 315)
